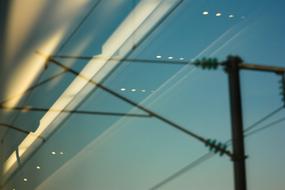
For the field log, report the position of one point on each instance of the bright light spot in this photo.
(25, 179)
(205, 13)
(123, 89)
(170, 57)
(143, 90)
(38, 167)
(218, 14)
(181, 58)
(53, 153)
(133, 90)
(61, 153)
(158, 56)
(231, 16)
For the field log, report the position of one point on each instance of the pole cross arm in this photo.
(265, 68)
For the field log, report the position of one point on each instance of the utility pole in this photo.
(232, 68)
(233, 65)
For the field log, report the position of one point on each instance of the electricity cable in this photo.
(60, 48)
(274, 112)
(151, 113)
(85, 112)
(209, 155)
(32, 87)
(265, 127)
(79, 25)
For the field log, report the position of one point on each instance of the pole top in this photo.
(233, 59)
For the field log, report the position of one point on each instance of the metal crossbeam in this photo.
(265, 68)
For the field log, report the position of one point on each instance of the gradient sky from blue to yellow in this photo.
(136, 153)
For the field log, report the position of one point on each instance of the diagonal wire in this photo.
(32, 88)
(265, 127)
(122, 59)
(274, 112)
(37, 109)
(19, 130)
(186, 168)
(209, 155)
(62, 46)
(129, 101)
(89, 13)
(77, 28)
(15, 128)
(28, 91)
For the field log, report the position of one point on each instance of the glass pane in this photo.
(127, 131)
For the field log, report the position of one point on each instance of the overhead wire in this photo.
(32, 87)
(79, 25)
(208, 155)
(127, 100)
(17, 114)
(28, 91)
(51, 78)
(173, 79)
(267, 116)
(115, 94)
(133, 49)
(85, 112)
(280, 120)
(140, 40)
(19, 130)
(186, 168)
(14, 128)
(205, 157)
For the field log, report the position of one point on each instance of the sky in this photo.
(108, 152)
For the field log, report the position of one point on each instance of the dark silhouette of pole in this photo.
(232, 68)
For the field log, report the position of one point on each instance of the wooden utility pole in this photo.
(232, 67)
